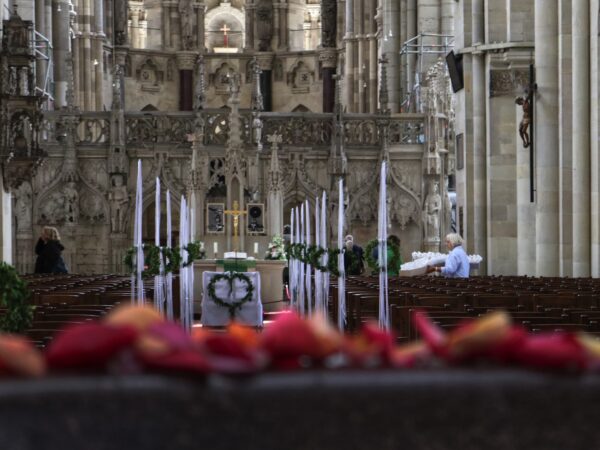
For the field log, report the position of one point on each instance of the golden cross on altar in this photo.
(225, 29)
(235, 213)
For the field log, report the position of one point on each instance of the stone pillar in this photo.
(411, 31)
(394, 19)
(581, 138)
(594, 147)
(428, 21)
(276, 26)
(349, 56)
(98, 53)
(135, 28)
(546, 63)
(120, 15)
(249, 45)
(166, 21)
(476, 188)
(372, 84)
(185, 63)
(328, 57)
(265, 63)
(200, 26)
(565, 138)
(60, 43)
(447, 22)
(283, 26)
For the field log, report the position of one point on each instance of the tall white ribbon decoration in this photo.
(190, 269)
(137, 284)
(318, 273)
(183, 282)
(341, 269)
(291, 264)
(325, 257)
(308, 274)
(158, 279)
(297, 262)
(302, 265)
(169, 290)
(384, 313)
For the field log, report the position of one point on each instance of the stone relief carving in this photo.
(92, 207)
(61, 206)
(220, 78)
(23, 206)
(46, 175)
(508, 82)
(403, 208)
(300, 77)
(408, 174)
(149, 75)
(95, 173)
(71, 204)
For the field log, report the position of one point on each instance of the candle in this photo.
(216, 248)
(256, 248)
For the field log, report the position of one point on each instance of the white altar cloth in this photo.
(250, 313)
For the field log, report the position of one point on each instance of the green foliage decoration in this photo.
(14, 295)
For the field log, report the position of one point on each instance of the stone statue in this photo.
(264, 24)
(199, 86)
(186, 15)
(120, 21)
(23, 196)
(118, 200)
(71, 204)
(433, 206)
(524, 125)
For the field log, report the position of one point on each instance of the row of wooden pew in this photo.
(539, 304)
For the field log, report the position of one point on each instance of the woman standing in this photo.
(49, 249)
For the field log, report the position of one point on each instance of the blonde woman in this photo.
(48, 250)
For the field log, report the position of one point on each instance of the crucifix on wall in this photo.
(225, 29)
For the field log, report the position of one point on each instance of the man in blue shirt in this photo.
(457, 263)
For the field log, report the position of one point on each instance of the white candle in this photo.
(256, 248)
(216, 248)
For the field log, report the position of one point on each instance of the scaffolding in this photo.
(416, 56)
(43, 60)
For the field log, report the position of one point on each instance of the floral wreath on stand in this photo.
(230, 277)
(373, 263)
(276, 249)
(171, 258)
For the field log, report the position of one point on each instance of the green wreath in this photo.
(395, 261)
(230, 277)
(171, 257)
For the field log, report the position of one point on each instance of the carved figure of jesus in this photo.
(235, 213)
(524, 125)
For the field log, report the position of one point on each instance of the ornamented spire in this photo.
(257, 98)
(200, 84)
(275, 176)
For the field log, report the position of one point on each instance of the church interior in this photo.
(485, 118)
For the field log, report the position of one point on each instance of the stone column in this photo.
(283, 26)
(565, 138)
(428, 21)
(60, 42)
(372, 84)
(200, 27)
(135, 28)
(166, 24)
(394, 19)
(447, 12)
(581, 138)
(265, 63)
(476, 215)
(276, 25)
(185, 63)
(328, 57)
(411, 31)
(98, 41)
(349, 56)
(594, 147)
(546, 63)
(249, 45)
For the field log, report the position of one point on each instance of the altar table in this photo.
(271, 278)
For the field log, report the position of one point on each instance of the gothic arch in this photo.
(230, 16)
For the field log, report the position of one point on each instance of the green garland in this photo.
(171, 258)
(230, 277)
(311, 254)
(394, 262)
(14, 295)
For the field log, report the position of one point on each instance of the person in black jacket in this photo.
(49, 249)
